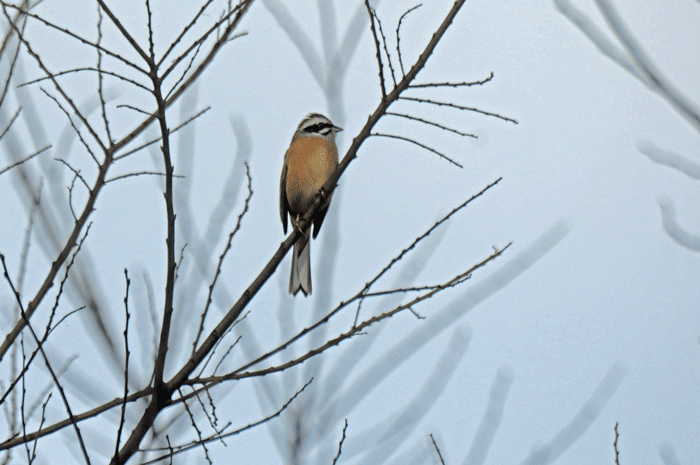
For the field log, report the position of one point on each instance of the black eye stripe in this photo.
(318, 127)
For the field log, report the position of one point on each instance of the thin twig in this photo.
(189, 26)
(9, 125)
(122, 417)
(41, 423)
(184, 73)
(379, 56)
(77, 37)
(617, 453)
(140, 173)
(216, 437)
(437, 449)
(136, 109)
(75, 172)
(414, 118)
(72, 123)
(49, 329)
(46, 361)
(353, 331)
(63, 283)
(196, 428)
(386, 49)
(11, 71)
(98, 70)
(340, 445)
(239, 11)
(459, 107)
(453, 84)
(398, 37)
(157, 139)
(8, 168)
(103, 105)
(223, 256)
(60, 90)
(124, 32)
(408, 139)
(9, 444)
(367, 286)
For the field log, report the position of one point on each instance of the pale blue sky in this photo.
(616, 291)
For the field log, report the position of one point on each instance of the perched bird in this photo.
(311, 159)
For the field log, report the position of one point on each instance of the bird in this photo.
(311, 159)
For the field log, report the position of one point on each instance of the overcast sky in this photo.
(615, 296)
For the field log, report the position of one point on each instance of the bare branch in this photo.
(459, 107)
(184, 72)
(75, 172)
(103, 105)
(200, 440)
(70, 120)
(239, 11)
(340, 445)
(140, 173)
(9, 444)
(218, 436)
(126, 34)
(46, 361)
(377, 46)
(437, 449)
(353, 331)
(157, 139)
(223, 256)
(131, 107)
(75, 36)
(632, 59)
(454, 84)
(408, 139)
(386, 49)
(49, 329)
(367, 286)
(11, 71)
(437, 125)
(184, 31)
(398, 35)
(122, 417)
(9, 125)
(98, 70)
(8, 168)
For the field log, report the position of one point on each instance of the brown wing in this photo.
(284, 205)
(319, 217)
(318, 220)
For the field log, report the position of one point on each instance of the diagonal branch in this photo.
(379, 55)
(408, 139)
(75, 36)
(53, 80)
(238, 307)
(124, 32)
(46, 361)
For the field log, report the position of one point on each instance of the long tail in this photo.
(300, 277)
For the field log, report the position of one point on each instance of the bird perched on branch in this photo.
(311, 159)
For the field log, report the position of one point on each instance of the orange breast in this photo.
(310, 161)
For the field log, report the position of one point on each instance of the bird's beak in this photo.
(337, 129)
